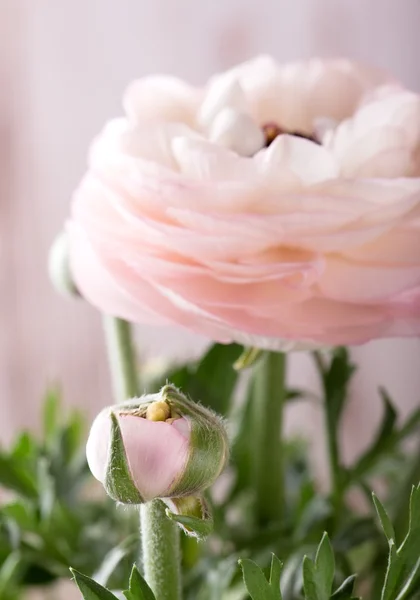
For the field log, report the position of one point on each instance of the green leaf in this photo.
(402, 578)
(384, 519)
(14, 476)
(345, 591)
(256, 583)
(9, 572)
(216, 378)
(46, 486)
(138, 588)
(90, 589)
(211, 380)
(51, 411)
(275, 574)
(22, 513)
(318, 576)
(336, 379)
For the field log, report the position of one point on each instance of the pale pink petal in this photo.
(157, 454)
(364, 282)
(381, 140)
(209, 162)
(161, 97)
(310, 162)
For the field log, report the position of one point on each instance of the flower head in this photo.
(157, 446)
(277, 205)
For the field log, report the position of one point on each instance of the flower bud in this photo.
(59, 267)
(156, 446)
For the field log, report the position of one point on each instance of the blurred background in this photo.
(63, 67)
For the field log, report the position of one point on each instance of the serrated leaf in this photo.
(138, 588)
(256, 583)
(325, 564)
(275, 573)
(318, 576)
(90, 589)
(309, 580)
(402, 578)
(387, 527)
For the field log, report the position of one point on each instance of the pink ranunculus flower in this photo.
(278, 205)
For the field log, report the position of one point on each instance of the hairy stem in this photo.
(161, 551)
(160, 537)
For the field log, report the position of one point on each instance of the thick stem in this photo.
(161, 551)
(160, 537)
(267, 440)
(122, 358)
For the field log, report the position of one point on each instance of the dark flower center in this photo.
(272, 130)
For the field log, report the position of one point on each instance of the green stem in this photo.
(267, 433)
(333, 449)
(122, 358)
(160, 537)
(334, 460)
(161, 551)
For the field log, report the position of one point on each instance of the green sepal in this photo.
(193, 515)
(118, 481)
(209, 447)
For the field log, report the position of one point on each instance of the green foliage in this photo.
(138, 588)
(49, 522)
(91, 590)
(318, 577)
(256, 583)
(54, 517)
(402, 579)
(211, 380)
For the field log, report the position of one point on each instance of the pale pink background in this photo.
(63, 66)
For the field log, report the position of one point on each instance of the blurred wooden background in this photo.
(63, 66)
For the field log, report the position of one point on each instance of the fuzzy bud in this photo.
(59, 267)
(156, 446)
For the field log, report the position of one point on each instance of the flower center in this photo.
(272, 130)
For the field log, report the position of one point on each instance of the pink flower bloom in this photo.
(185, 216)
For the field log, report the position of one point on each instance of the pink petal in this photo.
(161, 97)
